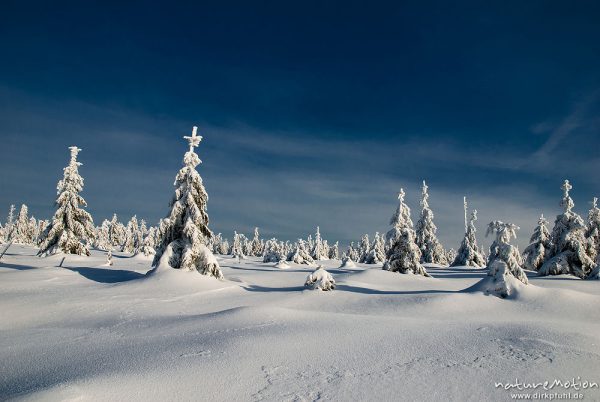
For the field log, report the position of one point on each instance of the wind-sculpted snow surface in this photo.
(93, 332)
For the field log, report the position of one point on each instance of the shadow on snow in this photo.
(102, 275)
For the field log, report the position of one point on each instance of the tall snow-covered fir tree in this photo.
(185, 231)
(469, 254)
(539, 244)
(569, 252)
(400, 220)
(431, 249)
(71, 228)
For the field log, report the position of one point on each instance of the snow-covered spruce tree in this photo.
(320, 280)
(72, 228)
(347, 261)
(326, 249)
(246, 244)
(502, 250)
(216, 242)
(319, 251)
(116, 232)
(353, 252)
(34, 232)
(131, 236)
(539, 243)
(273, 252)
(42, 225)
(431, 249)
(224, 247)
(102, 241)
(9, 228)
(568, 253)
(143, 230)
(185, 230)
(469, 254)
(148, 243)
(376, 254)
(402, 253)
(504, 260)
(237, 248)
(300, 254)
(140, 235)
(363, 248)
(592, 230)
(310, 243)
(334, 251)
(450, 254)
(22, 230)
(400, 220)
(257, 244)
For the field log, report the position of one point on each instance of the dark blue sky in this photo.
(312, 112)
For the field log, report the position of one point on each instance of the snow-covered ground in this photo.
(92, 332)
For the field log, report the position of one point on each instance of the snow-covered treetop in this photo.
(504, 231)
(402, 216)
(191, 159)
(466, 208)
(194, 140)
(424, 196)
(594, 213)
(542, 220)
(473, 218)
(567, 202)
(74, 152)
(72, 181)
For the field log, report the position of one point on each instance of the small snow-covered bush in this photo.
(320, 280)
(347, 262)
(281, 264)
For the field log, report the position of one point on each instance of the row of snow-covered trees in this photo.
(21, 229)
(183, 240)
(303, 251)
(111, 235)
